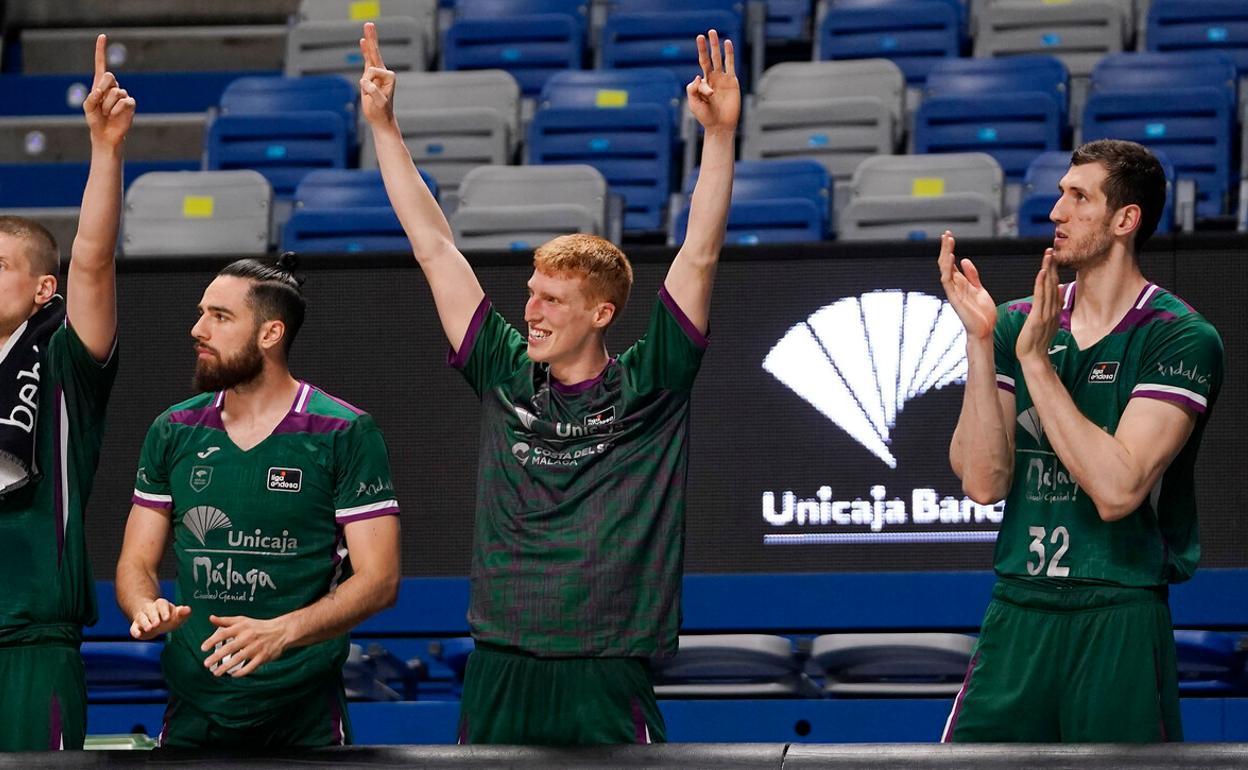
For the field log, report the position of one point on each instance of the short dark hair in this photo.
(42, 252)
(1135, 176)
(275, 294)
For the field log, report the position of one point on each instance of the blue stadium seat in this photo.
(345, 211)
(622, 123)
(1181, 103)
(773, 201)
(283, 128)
(1209, 662)
(913, 33)
(531, 39)
(1184, 25)
(157, 92)
(124, 672)
(648, 33)
(38, 185)
(1040, 194)
(1011, 108)
(787, 20)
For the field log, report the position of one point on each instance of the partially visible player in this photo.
(1084, 408)
(57, 365)
(285, 529)
(579, 540)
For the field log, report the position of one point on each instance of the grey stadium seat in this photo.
(522, 207)
(171, 213)
(57, 139)
(155, 49)
(453, 122)
(894, 664)
(920, 196)
(333, 47)
(1079, 32)
(425, 12)
(93, 13)
(732, 666)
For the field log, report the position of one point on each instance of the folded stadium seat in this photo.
(913, 33)
(1181, 25)
(1210, 663)
(732, 666)
(1078, 32)
(773, 201)
(626, 130)
(333, 47)
(531, 39)
(522, 207)
(425, 12)
(453, 122)
(124, 672)
(836, 112)
(283, 128)
(92, 13)
(453, 653)
(345, 211)
(920, 196)
(1040, 194)
(251, 48)
(377, 675)
(788, 21)
(1181, 103)
(1012, 109)
(197, 212)
(893, 664)
(160, 92)
(650, 33)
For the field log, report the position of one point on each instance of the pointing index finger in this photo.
(101, 42)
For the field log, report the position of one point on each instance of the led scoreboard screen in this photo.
(820, 420)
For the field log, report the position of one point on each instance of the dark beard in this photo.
(213, 375)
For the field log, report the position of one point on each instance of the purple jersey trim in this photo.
(577, 388)
(691, 331)
(391, 511)
(58, 453)
(56, 738)
(151, 503)
(1020, 307)
(303, 422)
(459, 358)
(952, 724)
(1142, 391)
(1007, 387)
(207, 416)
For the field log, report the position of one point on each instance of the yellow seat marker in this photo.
(198, 206)
(927, 187)
(364, 10)
(608, 97)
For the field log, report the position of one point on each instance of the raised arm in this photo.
(91, 299)
(373, 586)
(715, 100)
(982, 449)
(456, 292)
(138, 591)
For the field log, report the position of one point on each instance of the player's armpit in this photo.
(1152, 432)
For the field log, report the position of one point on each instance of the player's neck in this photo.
(1104, 294)
(587, 365)
(270, 394)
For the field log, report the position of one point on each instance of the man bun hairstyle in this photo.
(1134, 176)
(276, 293)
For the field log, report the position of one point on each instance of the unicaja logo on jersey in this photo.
(203, 519)
(521, 451)
(285, 479)
(861, 359)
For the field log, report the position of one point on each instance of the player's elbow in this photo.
(387, 590)
(983, 493)
(1115, 505)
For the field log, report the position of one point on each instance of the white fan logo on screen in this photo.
(860, 359)
(203, 519)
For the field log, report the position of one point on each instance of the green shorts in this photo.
(44, 705)
(309, 723)
(1083, 664)
(512, 697)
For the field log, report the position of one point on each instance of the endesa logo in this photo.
(1105, 371)
(285, 479)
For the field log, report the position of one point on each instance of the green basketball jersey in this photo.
(581, 492)
(49, 593)
(1161, 349)
(260, 534)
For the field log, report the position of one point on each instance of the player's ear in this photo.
(604, 314)
(271, 334)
